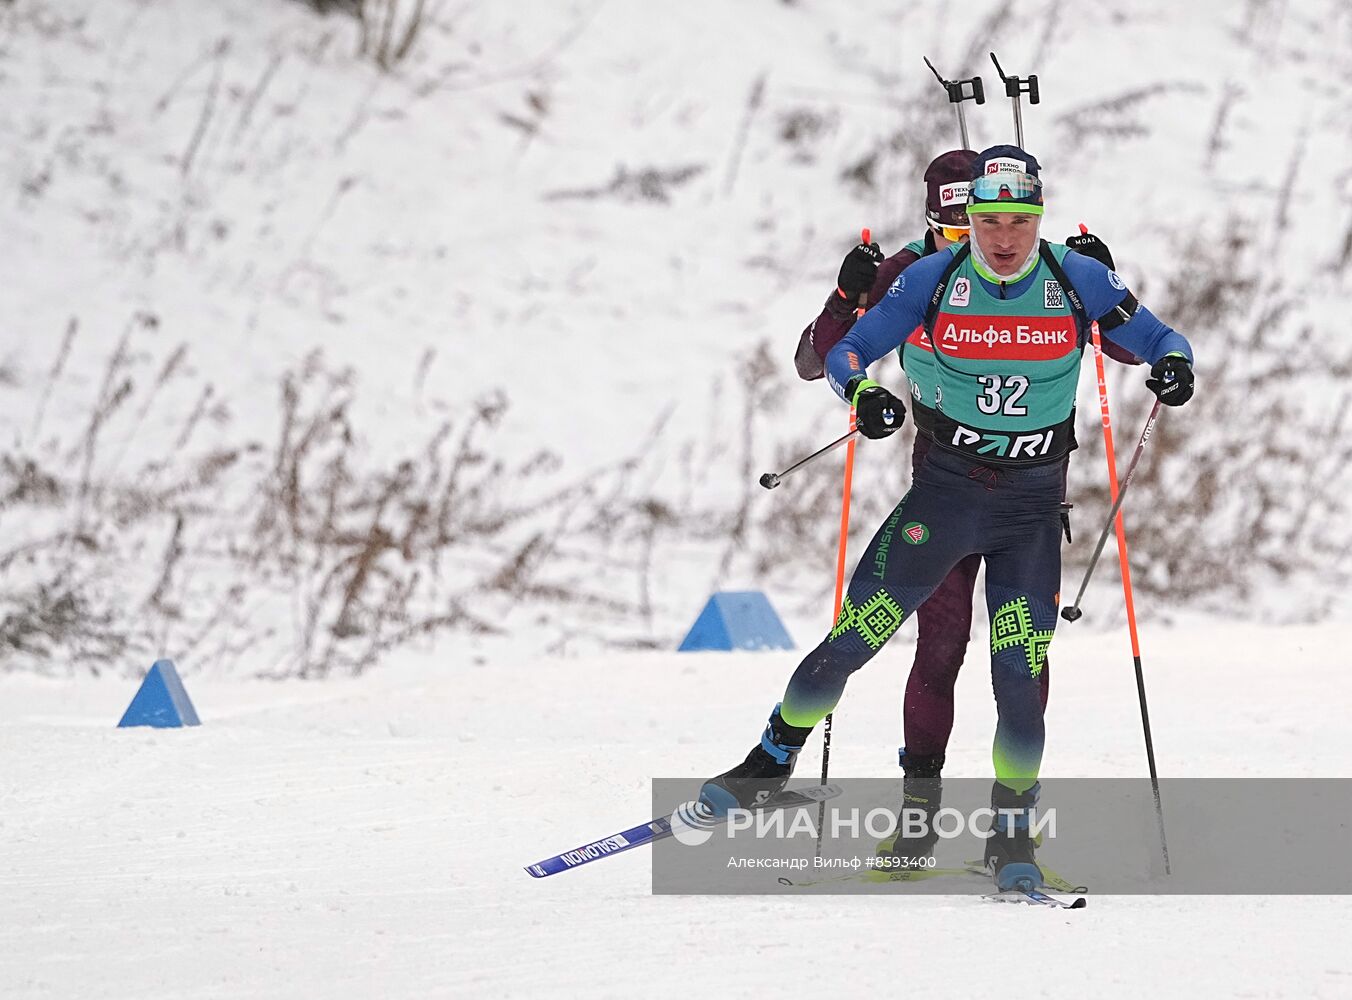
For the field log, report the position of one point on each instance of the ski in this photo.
(880, 875)
(970, 869)
(1050, 879)
(1037, 897)
(659, 828)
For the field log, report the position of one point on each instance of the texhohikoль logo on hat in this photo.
(954, 194)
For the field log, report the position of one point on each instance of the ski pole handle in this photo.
(865, 237)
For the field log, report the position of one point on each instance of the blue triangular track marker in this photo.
(737, 619)
(161, 701)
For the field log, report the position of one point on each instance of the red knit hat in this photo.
(947, 181)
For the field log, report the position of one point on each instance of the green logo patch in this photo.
(915, 532)
(1012, 628)
(874, 620)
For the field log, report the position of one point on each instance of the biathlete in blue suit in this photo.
(1006, 317)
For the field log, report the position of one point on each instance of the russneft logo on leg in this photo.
(885, 543)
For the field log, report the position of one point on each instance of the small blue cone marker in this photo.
(736, 619)
(161, 701)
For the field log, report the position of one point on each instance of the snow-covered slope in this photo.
(264, 299)
(366, 837)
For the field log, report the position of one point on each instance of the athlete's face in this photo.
(1005, 238)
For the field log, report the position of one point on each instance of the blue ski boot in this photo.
(762, 775)
(1009, 851)
(921, 792)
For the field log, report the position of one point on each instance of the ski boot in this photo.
(1009, 850)
(762, 775)
(921, 793)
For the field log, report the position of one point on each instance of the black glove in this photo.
(859, 270)
(1091, 246)
(1171, 380)
(877, 413)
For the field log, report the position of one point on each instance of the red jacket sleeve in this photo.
(1118, 353)
(837, 316)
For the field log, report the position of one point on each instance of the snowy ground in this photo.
(365, 837)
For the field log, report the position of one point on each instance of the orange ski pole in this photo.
(865, 237)
(1125, 564)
